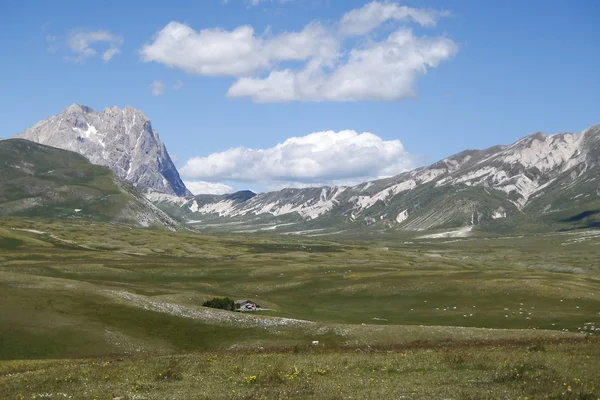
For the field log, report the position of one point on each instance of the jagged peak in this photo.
(78, 108)
(112, 138)
(129, 110)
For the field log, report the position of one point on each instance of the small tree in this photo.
(221, 303)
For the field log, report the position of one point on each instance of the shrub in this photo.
(224, 303)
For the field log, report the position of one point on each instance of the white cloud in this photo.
(202, 187)
(82, 42)
(207, 52)
(318, 158)
(177, 85)
(110, 53)
(362, 20)
(315, 63)
(379, 71)
(157, 88)
(239, 52)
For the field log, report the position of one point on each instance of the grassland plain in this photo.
(92, 310)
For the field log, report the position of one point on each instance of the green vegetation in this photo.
(223, 304)
(43, 181)
(559, 371)
(91, 310)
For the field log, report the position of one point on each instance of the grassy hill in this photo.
(43, 181)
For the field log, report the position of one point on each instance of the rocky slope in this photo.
(538, 180)
(121, 139)
(43, 181)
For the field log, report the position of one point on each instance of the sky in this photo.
(266, 94)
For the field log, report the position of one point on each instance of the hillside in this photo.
(43, 181)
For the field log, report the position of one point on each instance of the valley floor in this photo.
(98, 311)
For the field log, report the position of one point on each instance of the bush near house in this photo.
(222, 303)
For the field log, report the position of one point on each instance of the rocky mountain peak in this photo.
(121, 139)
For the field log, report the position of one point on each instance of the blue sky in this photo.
(428, 79)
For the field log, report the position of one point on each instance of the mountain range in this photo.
(541, 182)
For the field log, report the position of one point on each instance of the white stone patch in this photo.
(364, 202)
(461, 232)
(402, 216)
(429, 175)
(225, 208)
(194, 207)
(30, 231)
(158, 197)
(499, 213)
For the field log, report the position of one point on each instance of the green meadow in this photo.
(101, 311)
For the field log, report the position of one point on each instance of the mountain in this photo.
(121, 139)
(39, 180)
(539, 182)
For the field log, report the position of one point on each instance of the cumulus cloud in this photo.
(318, 158)
(317, 63)
(83, 44)
(157, 88)
(202, 187)
(379, 71)
(217, 52)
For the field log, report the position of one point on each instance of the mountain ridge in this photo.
(470, 188)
